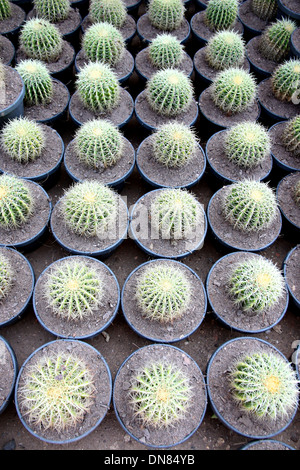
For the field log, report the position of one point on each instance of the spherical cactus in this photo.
(41, 40)
(169, 92)
(264, 9)
(225, 49)
(163, 293)
(160, 395)
(166, 15)
(247, 144)
(221, 14)
(265, 384)
(297, 193)
(286, 80)
(103, 42)
(98, 144)
(256, 284)
(52, 10)
(174, 144)
(90, 208)
(250, 205)
(22, 139)
(165, 51)
(98, 87)
(6, 276)
(110, 11)
(58, 392)
(37, 81)
(5, 10)
(275, 40)
(233, 90)
(73, 289)
(175, 214)
(291, 135)
(16, 202)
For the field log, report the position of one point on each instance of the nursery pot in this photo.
(202, 33)
(289, 208)
(266, 444)
(291, 273)
(147, 32)
(13, 108)
(284, 160)
(9, 372)
(289, 8)
(273, 108)
(295, 43)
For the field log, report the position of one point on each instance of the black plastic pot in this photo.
(266, 444)
(182, 33)
(273, 111)
(202, 34)
(261, 71)
(295, 49)
(253, 25)
(7, 44)
(128, 31)
(15, 109)
(8, 350)
(289, 210)
(287, 11)
(289, 256)
(278, 150)
(13, 34)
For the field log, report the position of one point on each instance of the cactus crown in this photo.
(160, 395)
(297, 193)
(49, 403)
(265, 384)
(90, 208)
(41, 40)
(286, 79)
(5, 9)
(221, 14)
(225, 49)
(256, 284)
(174, 144)
(264, 9)
(233, 90)
(250, 205)
(275, 41)
(16, 202)
(169, 92)
(52, 10)
(165, 51)
(73, 289)
(103, 42)
(37, 81)
(175, 213)
(98, 144)
(110, 11)
(166, 15)
(6, 276)
(163, 293)
(98, 87)
(247, 144)
(23, 140)
(291, 135)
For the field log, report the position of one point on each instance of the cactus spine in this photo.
(264, 9)
(6, 276)
(37, 81)
(52, 10)
(291, 135)
(166, 15)
(275, 40)
(41, 40)
(23, 140)
(285, 80)
(103, 42)
(5, 10)
(221, 14)
(225, 49)
(16, 202)
(110, 11)
(165, 51)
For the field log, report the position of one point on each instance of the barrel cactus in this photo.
(169, 92)
(16, 202)
(5, 9)
(264, 9)
(98, 144)
(225, 49)
(52, 10)
(165, 51)
(285, 81)
(221, 14)
(174, 144)
(23, 140)
(247, 144)
(166, 15)
(275, 40)
(41, 40)
(103, 42)
(250, 205)
(37, 81)
(6, 276)
(291, 135)
(108, 11)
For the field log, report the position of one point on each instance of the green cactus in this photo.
(256, 284)
(174, 144)
(103, 42)
(250, 205)
(89, 208)
(291, 135)
(41, 40)
(233, 90)
(265, 385)
(264, 9)
(166, 15)
(73, 289)
(52, 10)
(57, 393)
(169, 92)
(247, 144)
(163, 293)
(16, 202)
(23, 140)
(286, 80)
(275, 40)
(225, 49)
(98, 87)
(6, 276)
(297, 193)
(37, 81)
(221, 14)
(160, 395)
(5, 9)
(165, 51)
(98, 144)
(175, 213)
(109, 11)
